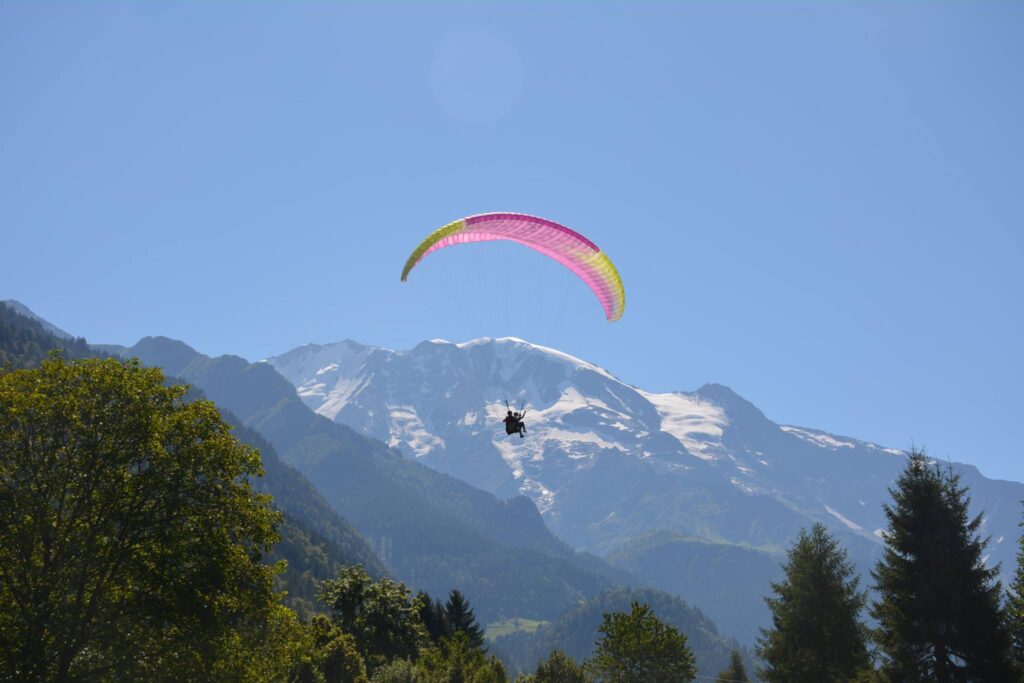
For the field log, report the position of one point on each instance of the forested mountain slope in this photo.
(728, 581)
(315, 540)
(432, 530)
(576, 631)
(608, 463)
(25, 341)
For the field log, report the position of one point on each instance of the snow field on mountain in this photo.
(605, 461)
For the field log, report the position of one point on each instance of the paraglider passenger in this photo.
(514, 424)
(522, 425)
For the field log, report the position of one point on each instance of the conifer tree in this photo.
(461, 619)
(816, 634)
(433, 616)
(939, 614)
(735, 672)
(1015, 607)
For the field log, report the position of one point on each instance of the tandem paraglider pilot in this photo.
(514, 424)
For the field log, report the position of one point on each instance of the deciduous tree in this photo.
(456, 660)
(130, 536)
(381, 615)
(637, 647)
(559, 668)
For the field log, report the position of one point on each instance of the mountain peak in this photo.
(170, 354)
(22, 309)
(349, 352)
(602, 460)
(492, 340)
(736, 406)
(313, 347)
(515, 343)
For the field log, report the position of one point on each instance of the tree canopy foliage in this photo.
(577, 631)
(940, 614)
(736, 672)
(1015, 608)
(460, 618)
(456, 660)
(381, 615)
(817, 635)
(558, 668)
(131, 535)
(637, 647)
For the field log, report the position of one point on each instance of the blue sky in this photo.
(819, 205)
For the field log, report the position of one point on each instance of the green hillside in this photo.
(576, 631)
(716, 577)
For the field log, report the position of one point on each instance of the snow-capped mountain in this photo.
(607, 462)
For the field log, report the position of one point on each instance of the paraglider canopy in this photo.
(566, 246)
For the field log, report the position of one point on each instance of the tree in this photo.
(335, 653)
(130, 535)
(735, 672)
(457, 660)
(460, 619)
(816, 634)
(560, 668)
(380, 615)
(433, 616)
(939, 614)
(1015, 607)
(396, 671)
(283, 650)
(342, 662)
(638, 647)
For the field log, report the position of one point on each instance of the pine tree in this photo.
(1015, 607)
(816, 634)
(462, 620)
(735, 672)
(939, 616)
(433, 616)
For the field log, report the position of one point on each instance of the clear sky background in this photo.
(819, 205)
